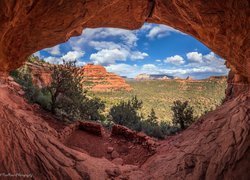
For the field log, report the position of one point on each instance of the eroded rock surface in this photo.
(216, 147)
(96, 78)
(28, 26)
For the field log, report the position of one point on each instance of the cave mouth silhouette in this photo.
(215, 148)
(120, 40)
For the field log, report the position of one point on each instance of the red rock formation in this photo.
(216, 147)
(96, 78)
(41, 74)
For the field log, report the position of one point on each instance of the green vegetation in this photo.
(127, 113)
(158, 108)
(34, 95)
(64, 97)
(160, 95)
(182, 114)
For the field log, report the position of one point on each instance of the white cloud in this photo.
(38, 54)
(123, 69)
(69, 56)
(54, 50)
(194, 57)
(127, 37)
(149, 68)
(73, 55)
(99, 45)
(158, 31)
(137, 55)
(176, 60)
(108, 56)
(53, 60)
(158, 60)
(211, 57)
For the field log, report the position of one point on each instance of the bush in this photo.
(125, 113)
(92, 109)
(182, 114)
(68, 99)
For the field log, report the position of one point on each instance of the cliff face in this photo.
(41, 74)
(96, 78)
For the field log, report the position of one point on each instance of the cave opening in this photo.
(157, 64)
(216, 147)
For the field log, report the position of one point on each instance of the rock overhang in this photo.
(29, 26)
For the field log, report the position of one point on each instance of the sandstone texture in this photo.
(215, 147)
(40, 74)
(29, 26)
(96, 78)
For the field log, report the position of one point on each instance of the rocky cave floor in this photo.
(120, 148)
(33, 141)
(116, 148)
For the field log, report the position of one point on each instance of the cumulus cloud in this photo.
(123, 69)
(108, 56)
(137, 55)
(158, 31)
(89, 35)
(73, 55)
(54, 50)
(69, 56)
(149, 68)
(99, 45)
(176, 60)
(53, 60)
(194, 57)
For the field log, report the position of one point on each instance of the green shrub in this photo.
(182, 114)
(68, 99)
(126, 113)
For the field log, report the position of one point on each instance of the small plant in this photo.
(182, 114)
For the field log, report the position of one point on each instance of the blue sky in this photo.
(153, 49)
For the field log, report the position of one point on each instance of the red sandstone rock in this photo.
(110, 149)
(115, 154)
(118, 161)
(40, 74)
(96, 78)
(91, 127)
(216, 147)
(26, 27)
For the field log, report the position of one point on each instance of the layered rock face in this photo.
(26, 27)
(40, 74)
(216, 147)
(96, 78)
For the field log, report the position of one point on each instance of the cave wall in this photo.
(216, 147)
(29, 26)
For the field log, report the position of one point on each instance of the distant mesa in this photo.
(96, 78)
(145, 76)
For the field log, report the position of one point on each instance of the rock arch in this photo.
(219, 151)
